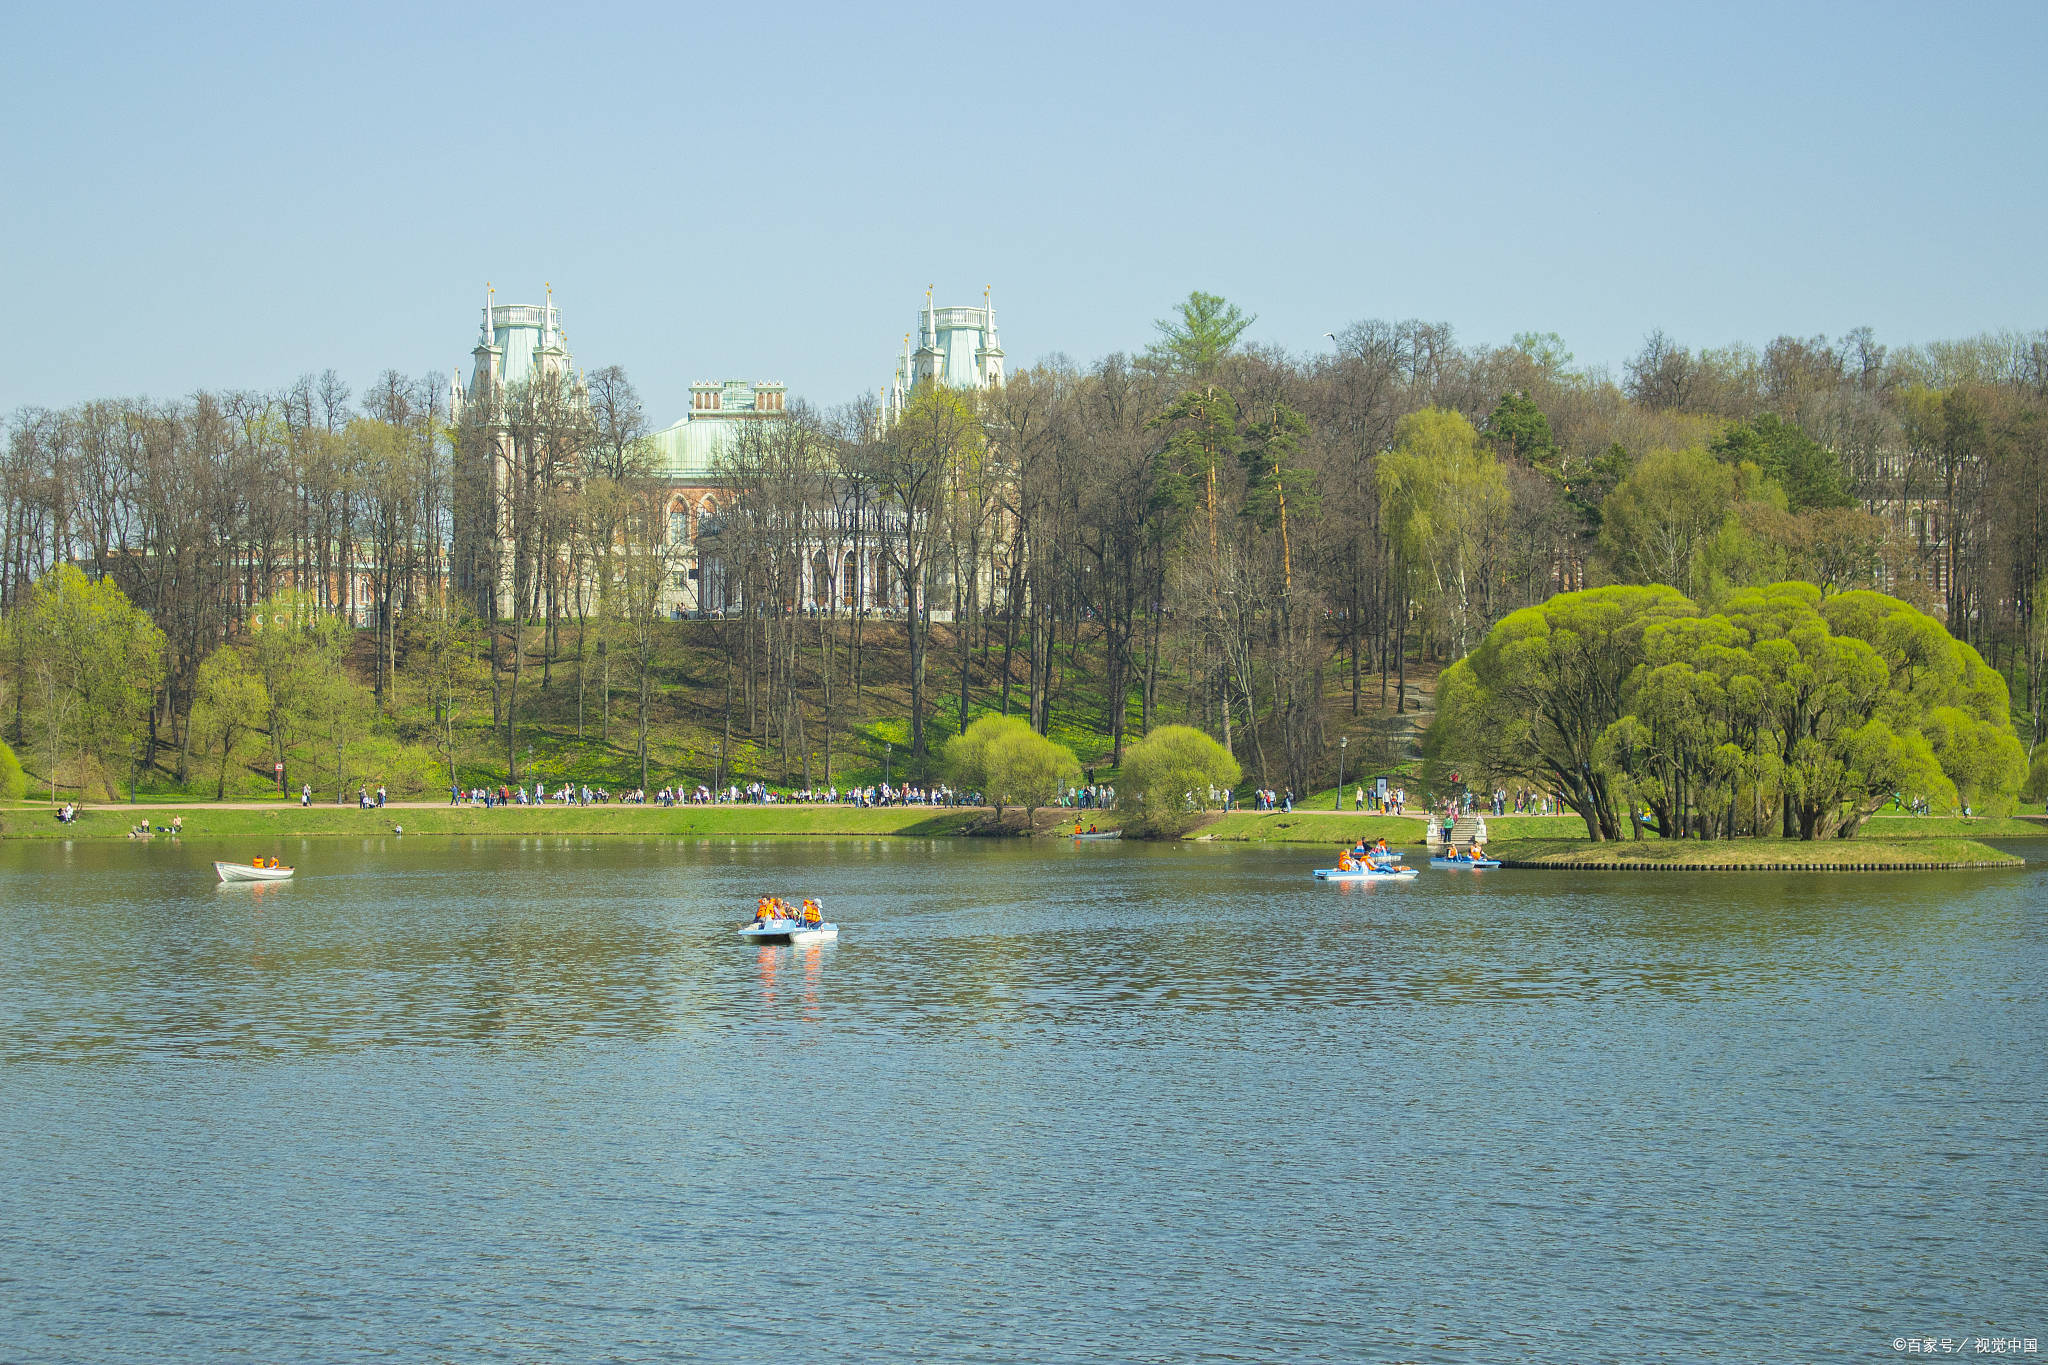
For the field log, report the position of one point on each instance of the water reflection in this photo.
(1108, 1105)
(113, 950)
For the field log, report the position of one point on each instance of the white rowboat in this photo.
(1099, 834)
(249, 872)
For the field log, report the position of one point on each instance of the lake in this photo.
(529, 1099)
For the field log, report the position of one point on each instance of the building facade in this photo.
(517, 344)
(956, 346)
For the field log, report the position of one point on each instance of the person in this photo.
(1077, 829)
(1344, 860)
(177, 824)
(813, 913)
(761, 911)
(305, 793)
(1092, 830)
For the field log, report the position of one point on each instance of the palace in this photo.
(958, 347)
(519, 343)
(687, 456)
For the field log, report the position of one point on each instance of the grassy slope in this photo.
(1750, 852)
(685, 821)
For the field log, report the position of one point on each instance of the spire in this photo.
(988, 307)
(547, 315)
(486, 338)
(931, 330)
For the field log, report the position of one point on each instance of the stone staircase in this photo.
(1463, 830)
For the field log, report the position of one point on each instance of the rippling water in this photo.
(530, 1100)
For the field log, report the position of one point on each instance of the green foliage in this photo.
(13, 782)
(1672, 520)
(1546, 349)
(228, 703)
(1445, 501)
(964, 759)
(1167, 777)
(1024, 768)
(1534, 699)
(1518, 430)
(1202, 331)
(1272, 467)
(2036, 786)
(1808, 471)
(94, 665)
(1782, 713)
(1201, 434)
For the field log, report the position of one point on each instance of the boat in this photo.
(251, 872)
(1437, 860)
(790, 931)
(1396, 873)
(1099, 834)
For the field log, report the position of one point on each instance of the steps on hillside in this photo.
(1463, 831)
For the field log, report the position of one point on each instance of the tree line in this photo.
(1259, 545)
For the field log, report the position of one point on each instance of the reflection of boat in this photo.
(789, 931)
(1100, 834)
(250, 872)
(1436, 861)
(1366, 874)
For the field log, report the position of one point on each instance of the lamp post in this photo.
(888, 752)
(1343, 743)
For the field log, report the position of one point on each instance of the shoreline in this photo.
(1520, 842)
(1933, 853)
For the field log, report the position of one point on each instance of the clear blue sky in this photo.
(230, 197)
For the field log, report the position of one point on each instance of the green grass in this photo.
(1934, 826)
(708, 821)
(1681, 853)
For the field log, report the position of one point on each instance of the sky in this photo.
(229, 197)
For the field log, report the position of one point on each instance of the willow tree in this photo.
(1535, 698)
(1445, 499)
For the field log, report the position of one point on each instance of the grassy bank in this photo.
(1328, 827)
(1676, 854)
(714, 821)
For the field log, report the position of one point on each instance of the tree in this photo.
(1202, 331)
(1809, 472)
(1168, 777)
(297, 647)
(228, 703)
(914, 466)
(13, 783)
(1518, 430)
(1445, 499)
(1024, 768)
(1672, 521)
(96, 661)
(1533, 700)
(965, 757)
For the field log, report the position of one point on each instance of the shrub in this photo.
(13, 782)
(1167, 776)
